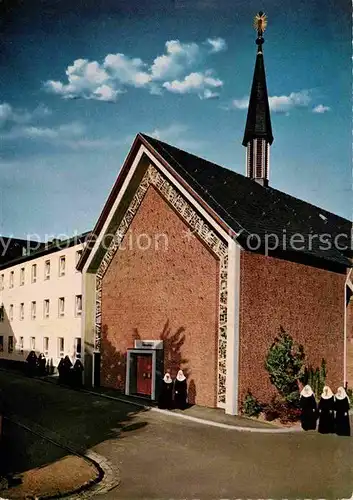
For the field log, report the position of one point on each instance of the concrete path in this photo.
(160, 457)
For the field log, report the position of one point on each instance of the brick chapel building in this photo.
(178, 273)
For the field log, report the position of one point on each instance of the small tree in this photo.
(251, 406)
(284, 363)
(316, 378)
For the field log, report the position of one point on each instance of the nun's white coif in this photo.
(306, 391)
(341, 394)
(167, 378)
(180, 376)
(326, 392)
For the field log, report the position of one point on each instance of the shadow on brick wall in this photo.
(113, 361)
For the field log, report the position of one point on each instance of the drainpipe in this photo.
(345, 329)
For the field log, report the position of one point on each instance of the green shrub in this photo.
(316, 378)
(251, 406)
(284, 363)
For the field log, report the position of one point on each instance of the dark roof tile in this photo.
(250, 208)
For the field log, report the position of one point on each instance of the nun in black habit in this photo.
(165, 400)
(326, 412)
(41, 364)
(308, 407)
(342, 424)
(32, 363)
(180, 391)
(67, 370)
(77, 373)
(61, 370)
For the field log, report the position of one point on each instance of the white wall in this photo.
(55, 326)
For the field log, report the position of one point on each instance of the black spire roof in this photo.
(258, 123)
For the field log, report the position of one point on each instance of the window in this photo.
(22, 311)
(2, 279)
(33, 310)
(1, 343)
(78, 256)
(20, 345)
(46, 308)
(46, 346)
(62, 266)
(78, 346)
(2, 313)
(10, 344)
(11, 312)
(61, 347)
(32, 343)
(22, 276)
(34, 273)
(11, 278)
(78, 305)
(47, 270)
(61, 306)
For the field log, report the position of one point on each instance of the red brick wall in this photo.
(169, 293)
(307, 302)
(350, 343)
(350, 319)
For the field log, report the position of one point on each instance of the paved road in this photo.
(163, 457)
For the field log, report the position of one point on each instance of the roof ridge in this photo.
(200, 185)
(256, 186)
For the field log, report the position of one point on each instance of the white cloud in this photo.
(106, 93)
(69, 130)
(171, 132)
(279, 104)
(208, 94)
(126, 71)
(85, 79)
(6, 113)
(240, 103)
(217, 44)
(25, 125)
(178, 135)
(320, 108)
(10, 116)
(179, 57)
(92, 80)
(199, 83)
(283, 104)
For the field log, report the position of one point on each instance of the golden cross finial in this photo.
(260, 22)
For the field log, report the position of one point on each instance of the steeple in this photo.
(258, 131)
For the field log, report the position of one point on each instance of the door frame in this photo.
(130, 353)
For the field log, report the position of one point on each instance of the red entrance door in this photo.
(144, 374)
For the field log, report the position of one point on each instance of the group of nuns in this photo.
(36, 365)
(173, 392)
(70, 373)
(332, 411)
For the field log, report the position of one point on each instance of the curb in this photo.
(108, 475)
(278, 430)
(211, 423)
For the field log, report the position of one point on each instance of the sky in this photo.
(80, 79)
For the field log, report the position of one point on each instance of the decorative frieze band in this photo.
(200, 228)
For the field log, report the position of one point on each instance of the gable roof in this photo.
(244, 206)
